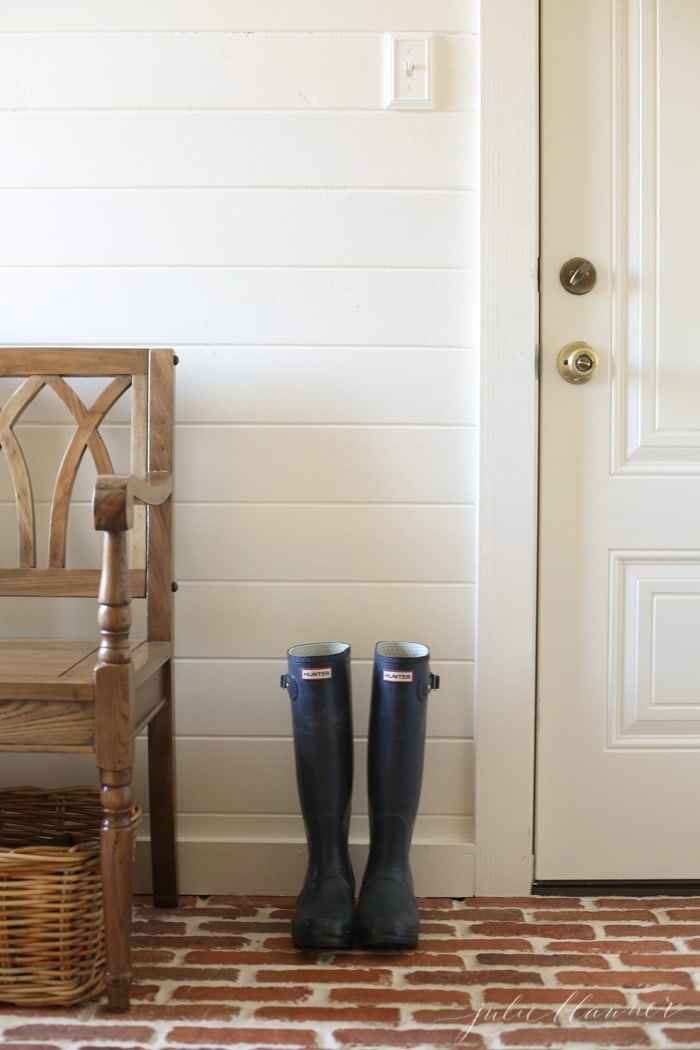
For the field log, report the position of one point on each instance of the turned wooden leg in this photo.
(114, 754)
(117, 851)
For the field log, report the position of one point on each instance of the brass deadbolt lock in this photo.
(577, 363)
(578, 276)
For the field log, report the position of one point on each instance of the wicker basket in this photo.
(51, 927)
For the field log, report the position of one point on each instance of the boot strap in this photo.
(288, 683)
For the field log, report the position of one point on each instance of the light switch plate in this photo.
(408, 71)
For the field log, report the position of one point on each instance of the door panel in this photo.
(618, 767)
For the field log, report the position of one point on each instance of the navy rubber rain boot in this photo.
(387, 914)
(318, 682)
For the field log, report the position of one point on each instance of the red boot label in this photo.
(312, 674)
(398, 676)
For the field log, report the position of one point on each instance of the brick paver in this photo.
(568, 973)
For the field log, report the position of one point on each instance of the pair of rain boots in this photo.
(318, 683)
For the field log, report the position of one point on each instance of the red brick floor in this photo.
(524, 972)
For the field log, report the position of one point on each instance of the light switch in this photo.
(408, 62)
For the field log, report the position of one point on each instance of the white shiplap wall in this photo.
(223, 178)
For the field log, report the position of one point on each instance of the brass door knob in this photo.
(577, 363)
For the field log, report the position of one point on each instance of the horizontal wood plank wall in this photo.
(223, 178)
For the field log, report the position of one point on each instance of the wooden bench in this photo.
(95, 694)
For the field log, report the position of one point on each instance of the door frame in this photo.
(508, 456)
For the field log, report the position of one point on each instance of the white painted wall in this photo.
(223, 179)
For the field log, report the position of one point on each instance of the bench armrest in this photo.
(115, 495)
(113, 509)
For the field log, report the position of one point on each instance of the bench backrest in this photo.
(80, 413)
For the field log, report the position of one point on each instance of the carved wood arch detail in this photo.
(86, 436)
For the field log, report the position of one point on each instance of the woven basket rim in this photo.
(26, 812)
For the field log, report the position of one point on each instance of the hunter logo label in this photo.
(313, 674)
(398, 676)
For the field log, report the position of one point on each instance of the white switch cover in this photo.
(408, 66)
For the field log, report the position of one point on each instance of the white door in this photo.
(618, 742)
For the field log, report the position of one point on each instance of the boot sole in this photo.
(323, 936)
(376, 938)
(388, 944)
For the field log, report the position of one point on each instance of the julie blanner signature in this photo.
(574, 1010)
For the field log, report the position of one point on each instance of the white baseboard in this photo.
(442, 861)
